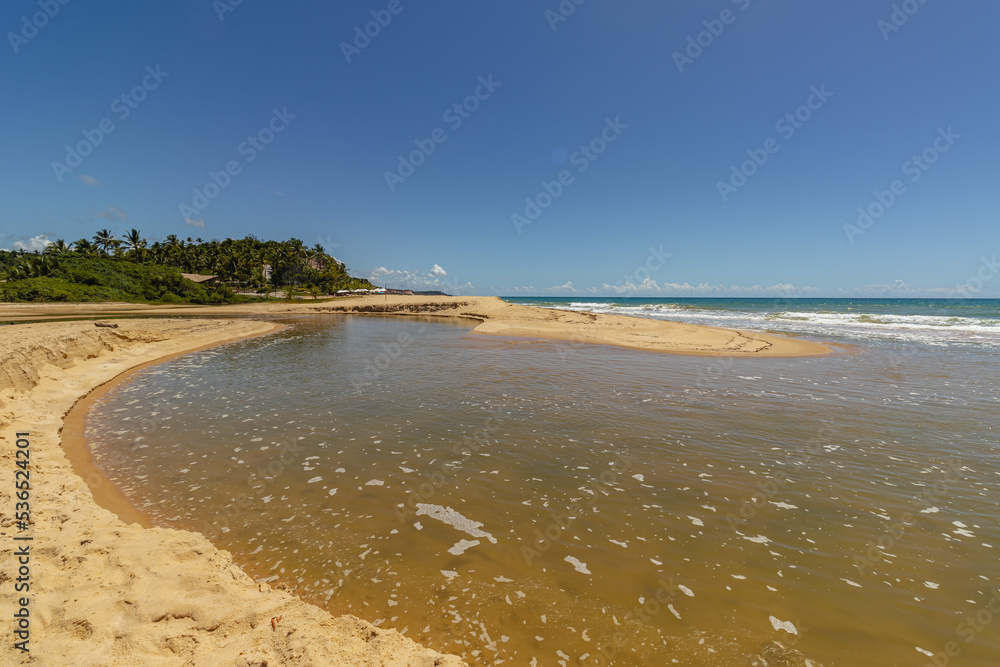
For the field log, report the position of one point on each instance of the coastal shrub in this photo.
(53, 289)
(87, 279)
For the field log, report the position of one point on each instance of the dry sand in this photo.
(104, 592)
(108, 591)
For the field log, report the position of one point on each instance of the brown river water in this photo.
(525, 502)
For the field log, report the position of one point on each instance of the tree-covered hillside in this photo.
(105, 268)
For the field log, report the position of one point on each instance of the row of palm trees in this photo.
(248, 262)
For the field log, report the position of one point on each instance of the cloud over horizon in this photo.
(651, 288)
(34, 244)
(417, 280)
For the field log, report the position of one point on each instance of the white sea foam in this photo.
(932, 329)
(787, 626)
(462, 546)
(578, 565)
(452, 518)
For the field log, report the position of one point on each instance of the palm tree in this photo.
(59, 247)
(173, 249)
(105, 241)
(156, 253)
(135, 244)
(296, 248)
(84, 247)
(317, 257)
(34, 267)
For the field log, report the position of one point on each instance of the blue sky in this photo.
(669, 129)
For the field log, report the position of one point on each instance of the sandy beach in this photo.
(109, 589)
(107, 592)
(495, 317)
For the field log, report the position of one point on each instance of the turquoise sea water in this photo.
(943, 322)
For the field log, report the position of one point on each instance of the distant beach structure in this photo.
(198, 278)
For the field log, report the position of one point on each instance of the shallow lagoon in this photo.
(515, 501)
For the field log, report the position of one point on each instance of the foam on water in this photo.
(969, 322)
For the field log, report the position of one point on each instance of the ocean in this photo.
(941, 322)
(532, 502)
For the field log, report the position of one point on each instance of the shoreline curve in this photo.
(109, 593)
(77, 449)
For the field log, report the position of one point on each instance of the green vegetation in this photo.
(130, 269)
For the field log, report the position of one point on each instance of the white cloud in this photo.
(33, 244)
(897, 288)
(194, 223)
(650, 287)
(90, 180)
(417, 280)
